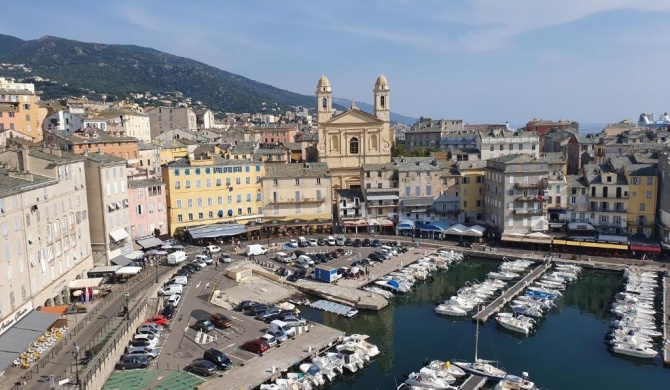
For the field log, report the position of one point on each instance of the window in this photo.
(218, 182)
(199, 202)
(189, 203)
(648, 194)
(151, 207)
(643, 206)
(139, 209)
(239, 198)
(209, 182)
(636, 180)
(465, 204)
(408, 191)
(650, 181)
(604, 218)
(297, 182)
(239, 211)
(229, 198)
(219, 200)
(417, 190)
(210, 201)
(190, 216)
(201, 216)
(573, 200)
(211, 214)
(510, 206)
(510, 222)
(353, 146)
(248, 179)
(177, 185)
(429, 190)
(521, 148)
(479, 203)
(178, 203)
(228, 182)
(275, 182)
(238, 181)
(248, 197)
(259, 197)
(197, 171)
(198, 183)
(187, 171)
(188, 184)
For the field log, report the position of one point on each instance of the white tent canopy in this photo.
(456, 229)
(83, 283)
(129, 270)
(476, 231)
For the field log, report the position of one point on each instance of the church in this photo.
(353, 138)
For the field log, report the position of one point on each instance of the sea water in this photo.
(567, 351)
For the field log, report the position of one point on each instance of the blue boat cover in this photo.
(394, 283)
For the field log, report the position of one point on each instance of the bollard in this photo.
(274, 369)
(309, 349)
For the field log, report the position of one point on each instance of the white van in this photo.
(302, 242)
(331, 241)
(388, 249)
(281, 325)
(255, 250)
(283, 257)
(177, 257)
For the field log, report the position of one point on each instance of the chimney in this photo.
(25, 160)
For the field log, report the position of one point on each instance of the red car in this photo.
(158, 320)
(256, 345)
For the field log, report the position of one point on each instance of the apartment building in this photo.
(44, 226)
(351, 210)
(608, 198)
(642, 198)
(63, 120)
(210, 189)
(132, 124)
(496, 143)
(276, 134)
(167, 118)
(106, 186)
(93, 141)
(298, 193)
(18, 108)
(147, 208)
(381, 193)
(470, 193)
(516, 189)
(663, 216)
(419, 182)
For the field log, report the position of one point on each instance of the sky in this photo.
(482, 61)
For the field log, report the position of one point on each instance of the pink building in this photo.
(148, 211)
(277, 134)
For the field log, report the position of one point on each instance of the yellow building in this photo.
(642, 198)
(20, 111)
(171, 150)
(471, 190)
(209, 189)
(297, 194)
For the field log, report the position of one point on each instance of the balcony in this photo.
(530, 212)
(530, 198)
(540, 184)
(384, 204)
(298, 201)
(608, 197)
(608, 210)
(387, 189)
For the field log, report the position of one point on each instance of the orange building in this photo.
(94, 140)
(18, 108)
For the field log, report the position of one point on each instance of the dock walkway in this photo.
(512, 292)
(260, 369)
(474, 382)
(666, 319)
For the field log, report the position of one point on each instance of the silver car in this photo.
(151, 353)
(279, 334)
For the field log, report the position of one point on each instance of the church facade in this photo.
(353, 138)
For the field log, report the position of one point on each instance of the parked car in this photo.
(348, 242)
(339, 240)
(144, 340)
(321, 242)
(168, 311)
(367, 242)
(286, 314)
(297, 275)
(171, 289)
(204, 326)
(270, 339)
(213, 248)
(279, 335)
(158, 320)
(226, 258)
(217, 357)
(331, 241)
(294, 321)
(199, 263)
(178, 279)
(313, 242)
(148, 329)
(302, 263)
(246, 305)
(256, 345)
(221, 321)
(293, 243)
(254, 310)
(268, 314)
(357, 243)
(151, 353)
(376, 243)
(308, 259)
(135, 361)
(202, 367)
(174, 300)
(204, 258)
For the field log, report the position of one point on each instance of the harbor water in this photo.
(567, 351)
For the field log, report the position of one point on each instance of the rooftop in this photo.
(96, 136)
(145, 183)
(296, 170)
(105, 159)
(16, 182)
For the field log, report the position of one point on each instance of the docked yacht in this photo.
(503, 275)
(428, 378)
(448, 367)
(513, 382)
(451, 309)
(635, 350)
(515, 322)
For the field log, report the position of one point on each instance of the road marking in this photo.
(233, 356)
(228, 346)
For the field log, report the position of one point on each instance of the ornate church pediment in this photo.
(354, 116)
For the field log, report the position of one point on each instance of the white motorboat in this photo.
(550, 285)
(451, 309)
(463, 302)
(631, 349)
(516, 323)
(526, 310)
(360, 341)
(651, 332)
(326, 366)
(513, 382)
(633, 340)
(426, 378)
(448, 367)
(503, 275)
(543, 290)
(622, 309)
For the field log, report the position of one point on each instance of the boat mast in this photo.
(477, 338)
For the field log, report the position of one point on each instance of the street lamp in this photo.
(75, 354)
(127, 295)
(156, 261)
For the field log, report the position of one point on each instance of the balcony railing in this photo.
(371, 205)
(298, 201)
(448, 211)
(608, 210)
(529, 211)
(531, 198)
(387, 189)
(539, 184)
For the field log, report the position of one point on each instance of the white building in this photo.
(63, 120)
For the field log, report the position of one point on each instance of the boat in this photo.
(451, 309)
(513, 382)
(448, 367)
(393, 286)
(635, 350)
(543, 290)
(427, 378)
(360, 341)
(515, 322)
(481, 367)
(526, 310)
(503, 275)
(327, 367)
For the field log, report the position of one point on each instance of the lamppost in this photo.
(156, 263)
(127, 295)
(75, 354)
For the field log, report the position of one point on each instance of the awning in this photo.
(348, 223)
(150, 242)
(111, 207)
(406, 225)
(382, 197)
(17, 339)
(217, 231)
(121, 260)
(558, 242)
(573, 243)
(476, 231)
(456, 229)
(373, 222)
(642, 248)
(59, 310)
(119, 234)
(83, 283)
(512, 237)
(386, 222)
(361, 222)
(129, 271)
(537, 238)
(437, 226)
(109, 269)
(134, 255)
(603, 245)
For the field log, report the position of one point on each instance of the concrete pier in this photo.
(260, 370)
(666, 319)
(498, 303)
(474, 382)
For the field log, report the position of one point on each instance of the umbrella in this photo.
(77, 293)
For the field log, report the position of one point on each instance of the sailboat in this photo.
(480, 366)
